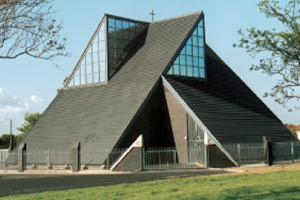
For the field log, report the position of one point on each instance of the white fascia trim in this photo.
(195, 118)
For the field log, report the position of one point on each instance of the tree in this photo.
(28, 27)
(30, 120)
(5, 138)
(283, 46)
(64, 82)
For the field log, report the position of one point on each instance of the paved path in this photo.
(11, 184)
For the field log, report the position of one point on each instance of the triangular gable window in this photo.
(122, 35)
(92, 66)
(191, 60)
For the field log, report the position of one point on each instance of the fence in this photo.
(247, 153)
(171, 158)
(286, 152)
(152, 158)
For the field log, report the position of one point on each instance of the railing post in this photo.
(2, 159)
(48, 159)
(239, 154)
(268, 149)
(292, 152)
(206, 151)
(21, 159)
(143, 159)
(174, 157)
(75, 157)
(107, 159)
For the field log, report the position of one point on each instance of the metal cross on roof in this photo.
(152, 13)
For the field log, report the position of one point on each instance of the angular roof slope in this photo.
(100, 114)
(227, 107)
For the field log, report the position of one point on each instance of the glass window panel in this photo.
(195, 33)
(102, 77)
(132, 24)
(95, 47)
(125, 35)
(89, 78)
(82, 69)
(111, 43)
(195, 51)
(201, 62)
(201, 41)
(125, 24)
(201, 22)
(195, 41)
(82, 80)
(88, 58)
(89, 50)
(101, 36)
(189, 50)
(200, 31)
(111, 22)
(171, 70)
(102, 28)
(189, 60)
(118, 24)
(183, 70)
(195, 61)
(102, 66)
(125, 43)
(119, 43)
(132, 35)
(71, 83)
(176, 61)
(101, 46)
(102, 55)
(189, 42)
(176, 70)
(95, 57)
(183, 50)
(196, 72)
(119, 33)
(88, 68)
(138, 28)
(202, 72)
(78, 71)
(119, 54)
(190, 71)
(96, 77)
(111, 33)
(201, 52)
(95, 68)
(76, 80)
(182, 60)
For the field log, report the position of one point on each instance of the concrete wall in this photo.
(217, 159)
(178, 119)
(132, 161)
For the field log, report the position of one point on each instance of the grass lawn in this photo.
(274, 185)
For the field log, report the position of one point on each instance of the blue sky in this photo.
(29, 85)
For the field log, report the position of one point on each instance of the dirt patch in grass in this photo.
(267, 169)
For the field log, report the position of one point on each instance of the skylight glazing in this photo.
(92, 67)
(190, 62)
(122, 35)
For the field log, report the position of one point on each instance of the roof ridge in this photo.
(184, 15)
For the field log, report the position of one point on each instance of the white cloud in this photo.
(11, 108)
(36, 99)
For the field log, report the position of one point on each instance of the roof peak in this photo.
(184, 15)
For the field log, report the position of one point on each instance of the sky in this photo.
(28, 85)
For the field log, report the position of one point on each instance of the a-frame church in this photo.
(158, 79)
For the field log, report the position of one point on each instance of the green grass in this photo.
(275, 185)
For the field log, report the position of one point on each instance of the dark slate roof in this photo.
(227, 107)
(98, 115)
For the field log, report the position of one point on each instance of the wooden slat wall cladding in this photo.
(228, 108)
(98, 115)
